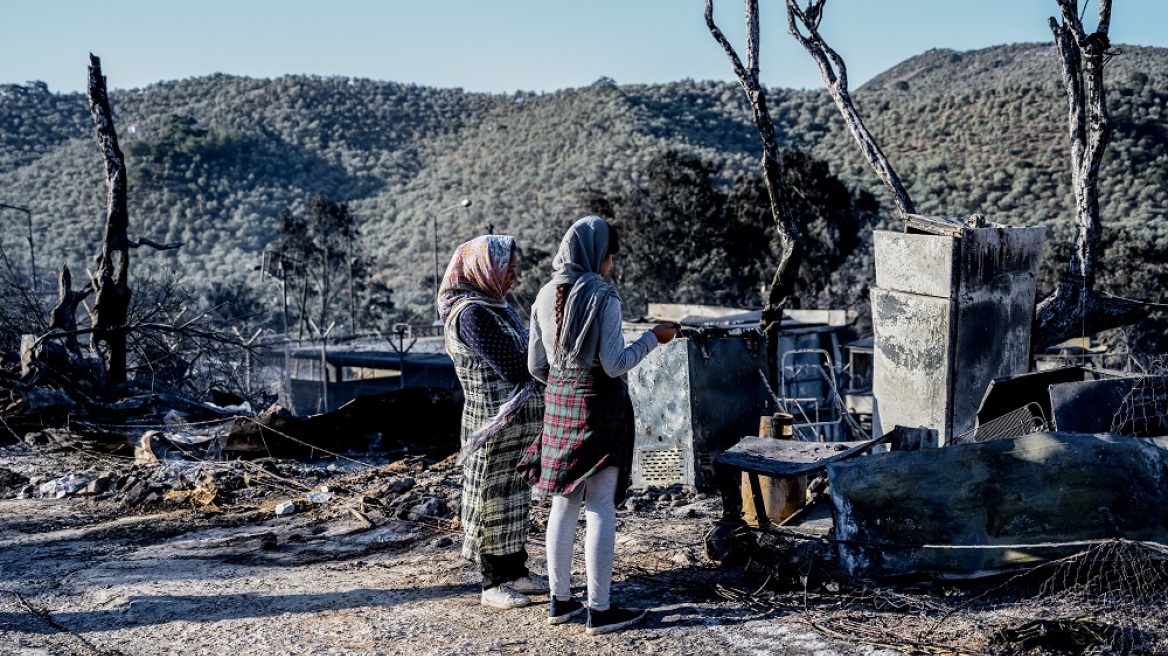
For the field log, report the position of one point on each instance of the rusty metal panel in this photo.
(659, 388)
(912, 363)
(913, 263)
(998, 274)
(693, 398)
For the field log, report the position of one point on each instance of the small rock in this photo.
(102, 483)
(631, 505)
(443, 542)
(428, 508)
(285, 508)
(137, 493)
(318, 497)
(399, 485)
(69, 484)
(9, 478)
(26, 492)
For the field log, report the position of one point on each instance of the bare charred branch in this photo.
(112, 279)
(752, 42)
(835, 78)
(1082, 57)
(790, 241)
(1075, 308)
(186, 329)
(143, 241)
(64, 314)
(29, 308)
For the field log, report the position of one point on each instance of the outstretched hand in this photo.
(665, 332)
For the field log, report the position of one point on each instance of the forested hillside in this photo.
(214, 160)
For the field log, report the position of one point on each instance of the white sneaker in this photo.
(532, 584)
(504, 597)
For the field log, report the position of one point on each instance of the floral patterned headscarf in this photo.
(476, 274)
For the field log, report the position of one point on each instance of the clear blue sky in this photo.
(499, 45)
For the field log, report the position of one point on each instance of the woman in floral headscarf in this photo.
(501, 416)
(584, 452)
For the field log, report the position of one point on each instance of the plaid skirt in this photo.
(587, 426)
(496, 501)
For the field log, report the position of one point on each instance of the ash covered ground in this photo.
(100, 555)
(104, 556)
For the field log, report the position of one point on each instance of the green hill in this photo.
(213, 160)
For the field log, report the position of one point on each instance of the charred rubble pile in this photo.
(413, 488)
(133, 419)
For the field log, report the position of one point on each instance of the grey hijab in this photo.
(577, 263)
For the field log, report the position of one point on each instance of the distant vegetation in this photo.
(215, 160)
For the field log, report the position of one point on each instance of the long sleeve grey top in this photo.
(604, 342)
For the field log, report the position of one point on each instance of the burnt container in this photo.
(950, 313)
(693, 398)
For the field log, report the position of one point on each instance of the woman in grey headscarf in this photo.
(584, 453)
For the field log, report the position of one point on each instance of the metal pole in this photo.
(434, 298)
(31, 248)
(324, 377)
(352, 298)
(284, 294)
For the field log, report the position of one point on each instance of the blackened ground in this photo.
(195, 561)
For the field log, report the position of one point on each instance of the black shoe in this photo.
(613, 619)
(563, 610)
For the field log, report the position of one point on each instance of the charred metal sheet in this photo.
(1004, 395)
(982, 508)
(1133, 405)
(912, 364)
(782, 458)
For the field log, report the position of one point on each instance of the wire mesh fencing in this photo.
(1109, 598)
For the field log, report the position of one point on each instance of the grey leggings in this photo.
(596, 494)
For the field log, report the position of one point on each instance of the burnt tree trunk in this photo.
(835, 78)
(64, 314)
(1075, 308)
(111, 282)
(790, 241)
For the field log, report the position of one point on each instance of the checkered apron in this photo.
(587, 426)
(496, 502)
